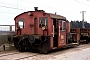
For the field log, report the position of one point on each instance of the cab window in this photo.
(21, 23)
(43, 21)
(63, 25)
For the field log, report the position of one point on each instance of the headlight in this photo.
(29, 13)
(43, 28)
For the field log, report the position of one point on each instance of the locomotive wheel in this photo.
(15, 44)
(31, 39)
(21, 47)
(18, 46)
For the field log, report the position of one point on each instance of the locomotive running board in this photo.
(54, 47)
(72, 44)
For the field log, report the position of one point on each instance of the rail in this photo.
(26, 58)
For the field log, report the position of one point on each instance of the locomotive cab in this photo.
(41, 31)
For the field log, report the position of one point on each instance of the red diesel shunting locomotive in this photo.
(42, 31)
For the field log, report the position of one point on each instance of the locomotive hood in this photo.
(21, 14)
(51, 15)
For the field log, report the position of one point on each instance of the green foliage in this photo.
(78, 24)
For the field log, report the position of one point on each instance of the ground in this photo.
(81, 52)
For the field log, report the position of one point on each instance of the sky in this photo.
(69, 8)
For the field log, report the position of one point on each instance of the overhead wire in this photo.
(41, 5)
(34, 3)
(7, 3)
(4, 6)
(81, 2)
(11, 7)
(88, 0)
(55, 7)
(24, 7)
(17, 8)
(7, 12)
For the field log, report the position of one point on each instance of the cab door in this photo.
(55, 37)
(61, 33)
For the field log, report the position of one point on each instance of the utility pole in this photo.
(88, 0)
(83, 18)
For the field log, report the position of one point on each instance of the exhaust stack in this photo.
(36, 8)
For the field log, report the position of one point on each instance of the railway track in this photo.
(18, 56)
(7, 54)
(27, 58)
(36, 56)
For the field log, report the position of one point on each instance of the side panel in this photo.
(67, 26)
(50, 32)
(61, 36)
(75, 33)
(51, 42)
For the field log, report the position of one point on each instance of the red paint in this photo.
(29, 27)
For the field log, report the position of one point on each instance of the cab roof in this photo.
(57, 16)
(54, 16)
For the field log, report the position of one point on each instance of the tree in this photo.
(78, 24)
